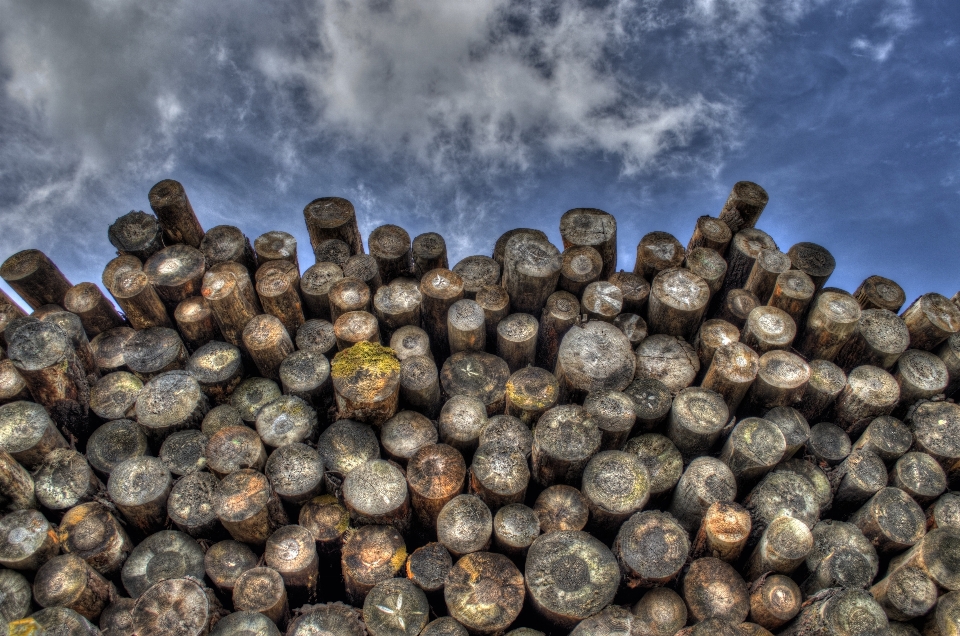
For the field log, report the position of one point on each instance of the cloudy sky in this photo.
(470, 117)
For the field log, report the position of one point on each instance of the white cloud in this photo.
(879, 51)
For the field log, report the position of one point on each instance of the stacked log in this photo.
(713, 443)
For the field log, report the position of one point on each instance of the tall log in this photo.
(826, 382)
(735, 305)
(261, 589)
(663, 461)
(495, 302)
(28, 433)
(477, 272)
(398, 305)
(768, 328)
(315, 286)
(333, 251)
(364, 267)
(466, 329)
(420, 385)
(783, 546)
(333, 218)
(709, 265)
(766, 269)
(17, 492)
(435, 475)
(743, 252)
(292, 551)
(227, 243)
(67, 581)
(191, 505)
(560, 313)
(95, 311)
(774, 601)
(879, 339)
(593, 228)
(814, 261)
(196, 322)
(280, 297)
(868, 393)
(754, 447)
(792, 292)
(744, 205)
(500, 246)
(276, 246)
(614, 414)
(429, 252)
(440, 289)
(139, 301)
(832, 321)
(696, 419)
(723, 532)
(170, 203)
(226, 290)
(35, 278)
(47, 360)
(517, 340)
(531, 270)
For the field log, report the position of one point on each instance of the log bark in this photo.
(280, 297)
(560, 313)
(743, 252)
(169, 202)
(420, 385)
(139, 301)
(814, 261)
(709, 265)
(18, 488)
(531, 270)
(931, 319)
(28, 433)
(495, 302)
(196, 322)
(13, 387)
(517, 340)
(697, 417)
(744, 205)
(229, 290)
(35, 278)
(792, 292)
(276, 246)
(333, 218)
(500, 246)
(47, 361)
(793, 426)
(880, 338)
(268, 343)
(768, 328)
(832, 321)
(887, 437)
(565, 439)
(877, 292)
(315, 286)
(440, 289)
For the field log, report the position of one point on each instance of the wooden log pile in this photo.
(534, 441)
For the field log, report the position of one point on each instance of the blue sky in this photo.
(473, 117)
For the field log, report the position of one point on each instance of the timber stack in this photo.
(528, 442)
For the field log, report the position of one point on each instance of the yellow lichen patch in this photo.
(399, 558)
(25, 627)
(367, 356)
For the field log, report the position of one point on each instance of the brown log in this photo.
(616, 484)
(335, 618)
(657, 251)
(832, 321)
(602, 301)
(420, 385)
(935, 555)
(696, 419)
(65, 480)
(712, 335)
(517, 340)
(191, 505)
(235, 448)
(531, 270)
(879, 339)
(139, 301)
(709, 265)
(678, 299)
(164, 555)
(375, 492)
(711, 233)
(435, 475)
(877, 292)
(170, 402)
(614, 414)
(280, 297)
(248, 507)
(9, 312)
(220, 417)
(392, 604)
(154, 351)
(920, 375)
(651, 402)
(17, 492)
(333, 218)
(477, 374)
(569, 576)
(663, 461)
(333, 251)
(744, 205)
(356, 326)
(564, 440)
(366, 382)
(371, 554)
(28, 433)
(295, 472)
(931, 319)
(828, 444)
(792, 292)
(745, 248)
(920, 476)
(713, 589)
(762, 281)
(12, 385)
(92, 532)
(227, 243)
(466, 327)
(905, 594)
(499, 475)
(477, 272)
(774, 601)
(315, 286)
(593, 228)
(114, 442)
(343, 446)
(783, 546)
(723, 532)
(54, 618)
(276, 246)
(868, 393)
(633, 327)
(35, 278)
(316, 335)
(461, 420)
(515, 527)
(405, 433)
(364, 267)
(465, 525)
(137, 234)
(116, 267)
(226, 289)
(495, 302)
(826, 382)
(176, 273)
(95, 311)
(484, 592)
(170, 203)
(67, 581)
(580, 266)
(306, 375)
(936, 431)
(793, 426)
(942, 621)
(139, 487)
(753, 448)
(218, 369)
(782, 493)
(286, 420)
(500, 247)
(268, 343)
(429, 252)
(768, 328)
(560, 313)
(292, 552)
(887, 437)
(781, 381)
(705, 481)
(47, 361)
(397, 305)
(635, 290)
(561, 507)
(196, 322)
(506, 430)
(328, 520)
(440, 289)
(582, 368)
(735, 305)
(261, 589)
(814, 261)
(27, 540)
(17, 596)
(662, 610)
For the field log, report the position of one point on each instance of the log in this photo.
(366, 382)
(315, 286)
(73, 327)
(768, 328)
(696, 419)
(63, 480)
(633, 327)
(461, 420)
(877, 292)
(183, 452)
(943, 619)
(333, 218)
(227, 291)
(744, 205)
(137, 234)
(477, 374)
(782, 493)
(220, 417)
(891, 520)
(397, 305)
(276, 246)
(783, 546)
(295, 472)
(54, 618)
(920, 476)
(936, 431)
(564, 440)
(168, 554)
(17, 596)
(713, 589)
(292, 551)
(261, 589)
(47, 361)
(515, 527)
(705, 481)
(662, 610)
(225, 243)
(420, 385)
(580, 266)
(561, 312)
(435, 475)
(949, 352)
(218, 369)
(35, 278)
(781, 381)
(169, 202)
(651, 549)
(356, 326)
(234, 448)
(656, 252)
(769, 265)
(880, 338)
(176, 273)
(405, 433)
(92, 532)
(196, 322)
(517, 340)
(484, 592)
(561, 508)
(709, 265)
(375, 492)
(652, 401)
(332, 251)
(931, 319)
(116, 267)
(395, 607)
(792, 292)
(814, 261)
(154, 351)
(826, 382)
(935, 556)
(531, 270)
(364, 268)
(920, 375)
(268, 342)
(887, 437)
(477, 272)
(832, 613)
(316, 335)
(28, 433)
(869, 392)
(334, 618)
(429, 252)
(67, 581)
(191, 505)
(945, 512)
(306, 375)
(667, 359)
(466, 327)
(635, 290)
(13, 387)
(371, 554)
(905, 594)
(793, 426)
(343, 446)
(678, 300)
(752, 449)
(831, 323)
(170, 402)
(495, 302)
(139, 487)
(569, 576)
(465, 525)
(828, 444)
(612, 411)
(745, 248)
(660, 456)
(248, 507)
(593, 228)
(506, 430)
(239, 623)
(499, 475)
(440, 289)
(602, 301)
(225, 562)
(593, 357)
(501, 245)
(27, 540)
(139, 301)
(286, 420)
(774, 601)
(723, 532)
(735, 306)
(280, 297)
(95, 311)
(328, 521)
